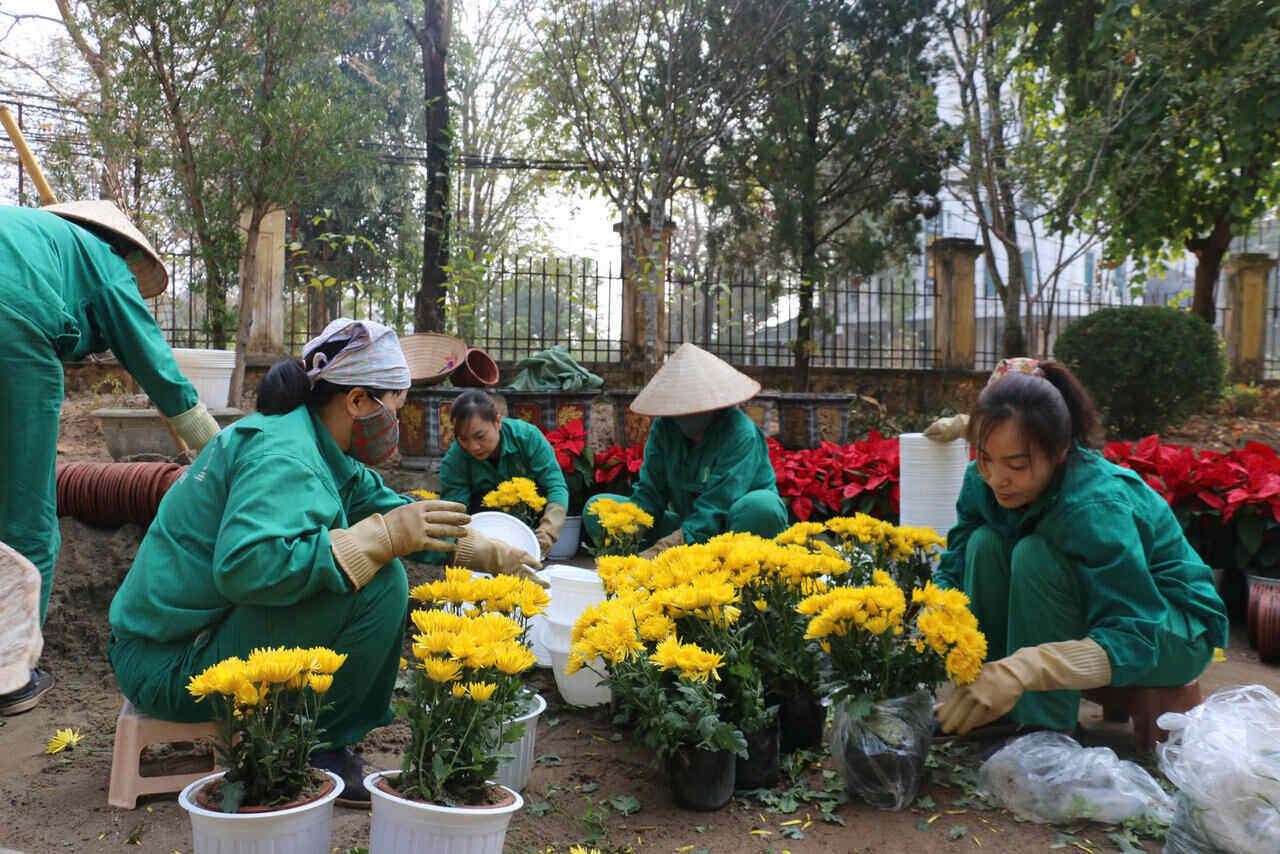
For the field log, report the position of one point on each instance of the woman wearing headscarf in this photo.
(73, 278)
(706, 465)
(281, 535)
(489, 449)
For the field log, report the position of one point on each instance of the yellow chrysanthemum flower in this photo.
(481, 691)
(320, 682)
(458, 689)
(423, 495)
(62, 739)
(441, 669)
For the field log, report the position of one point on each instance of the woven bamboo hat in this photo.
(692, 381)
(147, 268)
(431, 356)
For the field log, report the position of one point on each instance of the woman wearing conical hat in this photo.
(706, 465)
(73, 278)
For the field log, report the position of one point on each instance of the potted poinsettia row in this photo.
(471, 721)
(713, 653)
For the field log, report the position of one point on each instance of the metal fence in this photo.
(750, 319)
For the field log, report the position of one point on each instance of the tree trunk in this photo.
(1209, 252)
(808, 235)
(433, 39)
(248, 288)
(1013, 342)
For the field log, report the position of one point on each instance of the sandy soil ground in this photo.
(588, 785)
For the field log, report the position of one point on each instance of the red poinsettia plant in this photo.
(617, 467)
(839, 480)
(575, 459)
(1228, 504)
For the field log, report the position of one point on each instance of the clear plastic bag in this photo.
(1049, 776)
(1224, 757)
(882, 755)
(1187, 834)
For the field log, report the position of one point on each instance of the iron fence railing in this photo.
(751, 319)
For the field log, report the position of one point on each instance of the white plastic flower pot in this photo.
(304, 829)
(402, 826)
(209, 371)
(566, 545)
(581, 688)
(557, 634)
(573, 591)
(514, 774)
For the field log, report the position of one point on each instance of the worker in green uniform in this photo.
(73, 277)
(706, 465)
(281, 535)
(488, 449)
(1077, 571)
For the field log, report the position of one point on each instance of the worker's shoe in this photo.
(28, 696)
(352, 768)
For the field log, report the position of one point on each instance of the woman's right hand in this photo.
(425, 525)
(485, 554)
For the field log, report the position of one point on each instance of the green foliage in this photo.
(1147, 367)
(1173, 106)
(1242, 399)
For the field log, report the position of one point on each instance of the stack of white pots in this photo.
(573, 591)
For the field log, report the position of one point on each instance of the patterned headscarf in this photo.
(371, 356)
(1021, 364)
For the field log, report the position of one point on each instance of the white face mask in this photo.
(693, 426)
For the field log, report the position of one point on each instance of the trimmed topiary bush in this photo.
(1147, 367)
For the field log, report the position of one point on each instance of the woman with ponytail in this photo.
(1078, 572)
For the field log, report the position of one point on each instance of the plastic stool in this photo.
(1144, 705)
(135, 731)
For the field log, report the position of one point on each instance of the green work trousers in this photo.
(1033, 597)
(368, 626)
(30, 399)
(760, 512)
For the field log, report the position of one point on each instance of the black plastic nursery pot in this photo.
(760, 769)
(801, 720)
(702, 780)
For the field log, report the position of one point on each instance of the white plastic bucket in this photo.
(514, 774)
(581, 688)
(302, 829)
(402, 826)
(556, 634)
(573, 591)
(209, 371)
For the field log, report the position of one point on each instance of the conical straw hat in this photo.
(149, 269)
(692, 381)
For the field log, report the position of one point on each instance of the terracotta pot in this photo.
(1264, 616)
(477, 369)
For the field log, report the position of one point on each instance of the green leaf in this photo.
(551, 760)
(588, 788)
(957, 832)
(540, 808)
(922, 825)
(625, 804)
(925, 802)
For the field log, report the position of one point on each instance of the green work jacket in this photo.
(699, 481)
(1134, 562)
(248, 523)
(523, 452)
(81, 296)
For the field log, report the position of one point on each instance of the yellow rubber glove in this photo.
(371, 543)
(947, 429)
(549, 528)
(484, 554)
(670, 541)
(196, 426)
(1062, 666)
